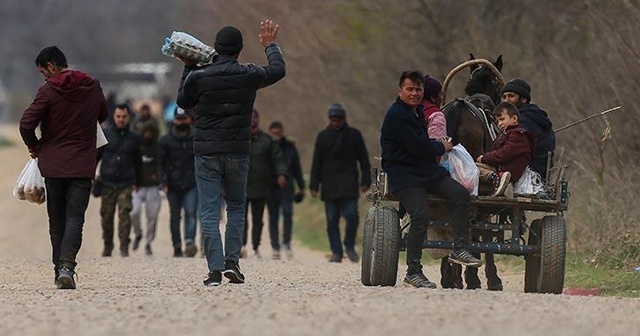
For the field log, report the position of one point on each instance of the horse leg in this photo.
(451, 274)
(494, 283)
(471, 275)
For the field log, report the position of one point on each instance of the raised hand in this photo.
(268, 32)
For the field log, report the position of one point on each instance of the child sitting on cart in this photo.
(511, 151)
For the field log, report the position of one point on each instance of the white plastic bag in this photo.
(529, 184)
(462, 168)
(30, 184)
(101, 139)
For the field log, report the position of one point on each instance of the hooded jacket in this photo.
(67, 107)
(511, 151)
(536, 121)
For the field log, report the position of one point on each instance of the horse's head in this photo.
(483, 80)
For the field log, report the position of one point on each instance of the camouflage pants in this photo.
(112, 197)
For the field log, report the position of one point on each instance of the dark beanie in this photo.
(519, 87)
(228, 41)
(431, 87)
(336, 110)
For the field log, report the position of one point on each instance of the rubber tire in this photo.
(552, 254)
(532, 261)
(367, 248)
(380, 247)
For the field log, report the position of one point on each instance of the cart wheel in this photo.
(532, 261)
(367, 248)
(380, 247)
(545, 270)
(552, 257)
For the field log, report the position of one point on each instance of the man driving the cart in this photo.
(409, 159)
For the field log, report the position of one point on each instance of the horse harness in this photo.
(481, 106)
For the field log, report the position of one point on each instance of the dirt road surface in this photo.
(161, 295)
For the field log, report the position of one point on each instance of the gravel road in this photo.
(161, 295)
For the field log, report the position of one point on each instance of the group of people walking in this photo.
(216, 158)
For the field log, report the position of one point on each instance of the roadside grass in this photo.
(310, 229)
(5, 142)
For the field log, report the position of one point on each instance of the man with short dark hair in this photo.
(267, 171)
(338, 151)
(533, 119)
(68, 106)
(283, 198)
(121, 173)
(223, 94)
(409, 159)
(177, 179)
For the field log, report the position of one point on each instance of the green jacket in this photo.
(266, 163)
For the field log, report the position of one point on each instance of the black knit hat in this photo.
(519, 87)
(337, 111)
(228, 41)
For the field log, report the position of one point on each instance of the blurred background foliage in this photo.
(581, 57)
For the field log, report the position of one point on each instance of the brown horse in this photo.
(471, 127)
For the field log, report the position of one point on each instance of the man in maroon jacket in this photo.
(67, 107)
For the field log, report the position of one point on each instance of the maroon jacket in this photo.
(511, 151)
(68, 105)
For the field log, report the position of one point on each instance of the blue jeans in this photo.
(217, 177)
(280, 198)
(349, 209)
(187, 200)
(67, 201)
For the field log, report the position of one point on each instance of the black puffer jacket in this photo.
(121, 158)
(176, 166)
(223, 94)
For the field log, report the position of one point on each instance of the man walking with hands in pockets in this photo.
(223, 94)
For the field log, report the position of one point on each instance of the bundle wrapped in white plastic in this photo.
(189, 47)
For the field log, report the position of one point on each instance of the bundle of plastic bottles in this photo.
(186, 46)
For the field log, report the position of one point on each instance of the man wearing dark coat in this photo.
(409, 159)
(334, 172)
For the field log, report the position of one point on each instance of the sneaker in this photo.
(463, 257)
(335, 258)
(500, 182)
(256, 254)
(136, 242)
(418, 280)
(65, 279)
(213, 279)
(353, 255)
(177, 252)
(287, 252)
(243, 252)
(191, 250)
(232, 272)
(147, 250)
(275, 254)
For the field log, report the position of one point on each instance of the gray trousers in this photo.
(150, 196)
